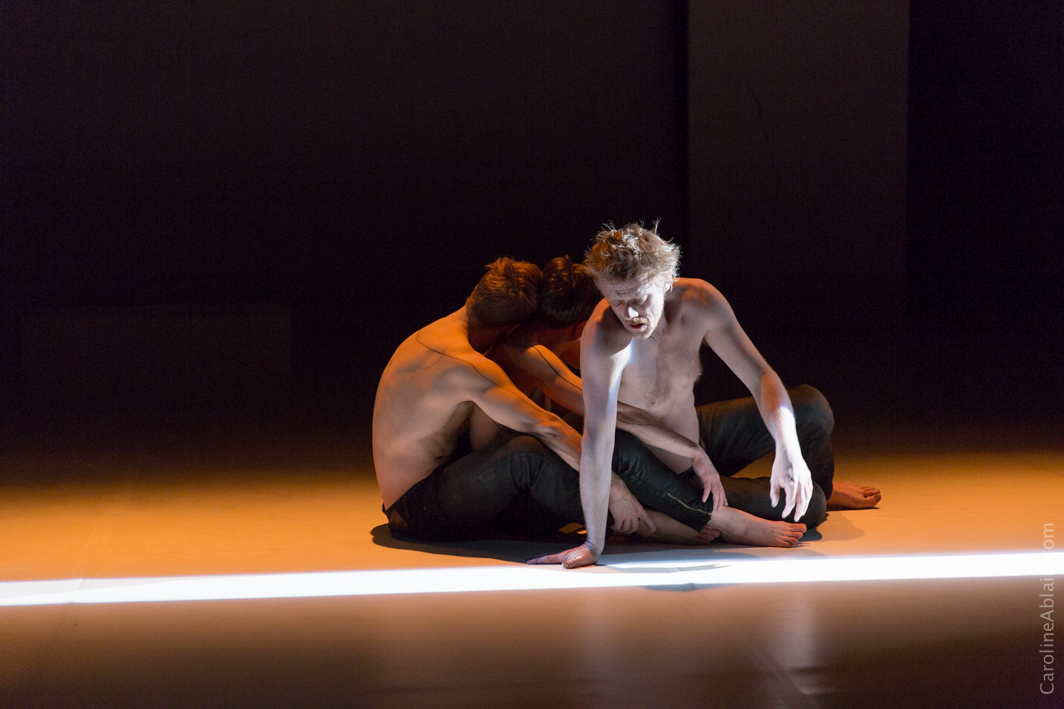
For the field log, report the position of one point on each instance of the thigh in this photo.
(656, 486)
(459, 496)
(733, 434)
(474, 488)
(459, 499)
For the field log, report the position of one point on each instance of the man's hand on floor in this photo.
(582, 555)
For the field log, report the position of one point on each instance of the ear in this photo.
(577, 329)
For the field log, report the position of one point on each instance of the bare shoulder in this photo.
(439, 364)
(604, 335)
(700, 301)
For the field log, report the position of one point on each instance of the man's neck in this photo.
(482, 338)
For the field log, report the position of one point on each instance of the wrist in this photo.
(786, 432)
(787, 450)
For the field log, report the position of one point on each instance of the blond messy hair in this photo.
(632, 252)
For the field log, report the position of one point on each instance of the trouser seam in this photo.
(709, 515)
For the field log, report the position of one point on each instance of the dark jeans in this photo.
(734, 436)
(516, 485)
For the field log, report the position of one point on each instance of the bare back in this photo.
(417, 415)
(427, 393)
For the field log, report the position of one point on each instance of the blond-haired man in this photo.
(641, 347)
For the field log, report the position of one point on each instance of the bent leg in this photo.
(734, 434)
(751, 495)
(656, 486)
(460, 498)
(679, 496)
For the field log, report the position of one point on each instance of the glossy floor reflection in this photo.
(229, 501)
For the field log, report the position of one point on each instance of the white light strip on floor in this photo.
(517, 577)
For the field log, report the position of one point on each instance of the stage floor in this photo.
(85, 519)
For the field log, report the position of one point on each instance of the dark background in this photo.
(878, 187)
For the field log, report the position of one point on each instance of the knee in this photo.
(524, 448)
(811, 408)
(817, 511)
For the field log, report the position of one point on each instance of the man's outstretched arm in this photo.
(601, 362)
(790, 473)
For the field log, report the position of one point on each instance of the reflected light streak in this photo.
(519, 577)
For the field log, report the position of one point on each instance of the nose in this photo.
(632, 313)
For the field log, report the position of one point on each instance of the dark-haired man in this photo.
(435, 381)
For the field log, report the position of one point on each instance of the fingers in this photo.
(774, 493)
(719, 498)
(808, 496)
(708, 535)
(804, 496)
(707, 484)
(648, 521)
(580, 556)
(547, 559)
(790, 495)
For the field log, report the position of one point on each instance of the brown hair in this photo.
(507, 294)
(567, 293)
(632, 252)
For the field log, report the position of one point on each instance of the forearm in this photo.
(554, 378)
(775, 407)
(595, 493)
(560, 438)
(651, 432)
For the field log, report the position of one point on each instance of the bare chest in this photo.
(660, 374)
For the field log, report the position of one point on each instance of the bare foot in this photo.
(847, 496)
(738, 527)
(673, 532)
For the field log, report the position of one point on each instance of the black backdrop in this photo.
(359, 162)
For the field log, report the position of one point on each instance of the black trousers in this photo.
(514, 486)
(734, 436)
(519, 486)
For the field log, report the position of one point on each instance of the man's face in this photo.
(637, 303)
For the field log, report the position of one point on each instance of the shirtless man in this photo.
(435, 381)
(641, 347)
(532, 357)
